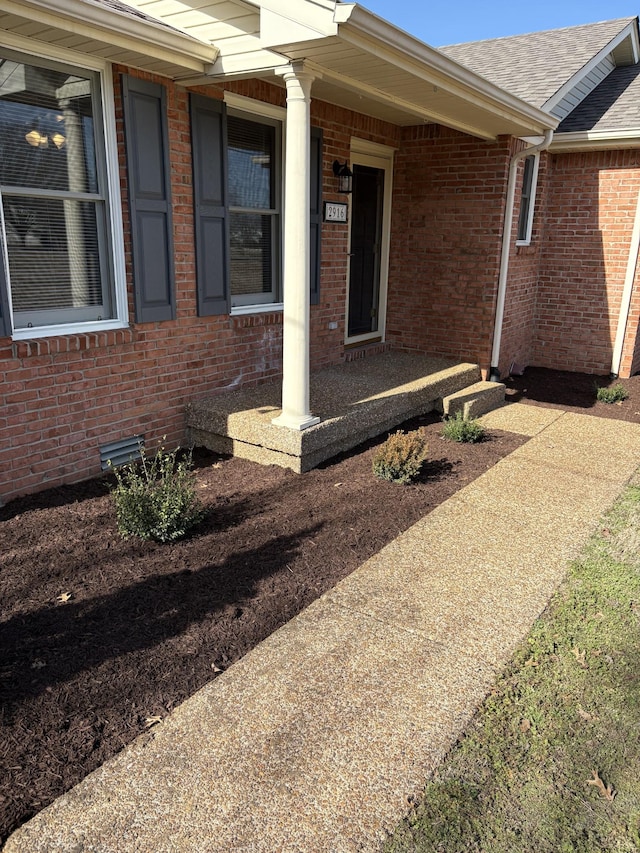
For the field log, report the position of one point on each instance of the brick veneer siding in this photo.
(63, 397)
(589, 218)
(518, 326)
(449, 195)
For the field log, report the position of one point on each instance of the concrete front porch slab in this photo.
(354, 401)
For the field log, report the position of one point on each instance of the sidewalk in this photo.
(319, 738)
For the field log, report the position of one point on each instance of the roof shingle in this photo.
(129, 11)
(614, 105)
(535, 66)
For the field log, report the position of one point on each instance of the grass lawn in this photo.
(551, 761)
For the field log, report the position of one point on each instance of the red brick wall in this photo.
(63, 397)
(588, 223)
(522, 285)
(445, 245)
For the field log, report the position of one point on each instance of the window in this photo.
(237, 180)
(55, 213)
(528, 198)
(254, 175)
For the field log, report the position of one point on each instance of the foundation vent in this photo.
(121, 452)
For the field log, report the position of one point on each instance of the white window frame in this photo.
(252, 110)
(115, 236)
(524, 234)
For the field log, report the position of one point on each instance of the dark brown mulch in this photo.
(146, 625)
(574, 392)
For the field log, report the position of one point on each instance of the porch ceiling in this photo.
(361, 62)
(353, 77)
(106, 28)
(365, 64)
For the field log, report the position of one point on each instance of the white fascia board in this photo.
(100, 22)
(242, 66)
(284, 22)
(278, 29)
(595, 140)
(367, 31)
(629, 32)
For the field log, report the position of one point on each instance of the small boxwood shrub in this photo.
(615, 394)
(459, 428)
(401, 457)
(156, 499)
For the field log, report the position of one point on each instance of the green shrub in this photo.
(459, 428)
(401, 457)
(156, 499)
(615, 394)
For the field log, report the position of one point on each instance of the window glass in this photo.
(254, 175)
(46, 129)
(251, 149)
(251, 255)
(53, 254)
(525, 220)
(53, 202)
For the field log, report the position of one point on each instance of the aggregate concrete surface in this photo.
(317, 740)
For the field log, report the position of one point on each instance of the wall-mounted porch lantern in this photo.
(344, 176)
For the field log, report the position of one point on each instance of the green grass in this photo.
(568, 706)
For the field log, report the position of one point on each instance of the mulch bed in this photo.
(99, 636)
(573, 392)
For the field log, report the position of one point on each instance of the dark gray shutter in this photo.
(316, 211)
(208, 140)
(147, 144)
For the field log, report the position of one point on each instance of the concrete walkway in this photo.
(316, 741)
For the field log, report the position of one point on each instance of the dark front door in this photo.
(366, 233)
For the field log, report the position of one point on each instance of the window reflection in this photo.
(52, 226)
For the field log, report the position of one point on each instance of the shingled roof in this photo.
(128, 11)
(614, 105)
(535, 66)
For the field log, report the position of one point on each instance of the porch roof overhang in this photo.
(363, 63)
(107, 28)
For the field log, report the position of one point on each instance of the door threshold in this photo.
(363, 343)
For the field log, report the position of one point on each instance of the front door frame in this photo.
(365, 153)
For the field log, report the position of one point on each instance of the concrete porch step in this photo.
(475, 400)
(355, 401)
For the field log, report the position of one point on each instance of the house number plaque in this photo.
(335, 211)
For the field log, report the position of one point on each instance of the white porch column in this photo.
(296, 278)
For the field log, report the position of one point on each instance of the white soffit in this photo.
(233, 26)
(99, 30)
(361, 62)
(372, 67)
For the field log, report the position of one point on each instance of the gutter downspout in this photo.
(494, 375)
(625, 305)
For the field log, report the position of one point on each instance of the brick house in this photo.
(173, 225)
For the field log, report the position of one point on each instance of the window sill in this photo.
(267, 308)
(250, 320)
(93, 327)
(525, 249)
(78, 342)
